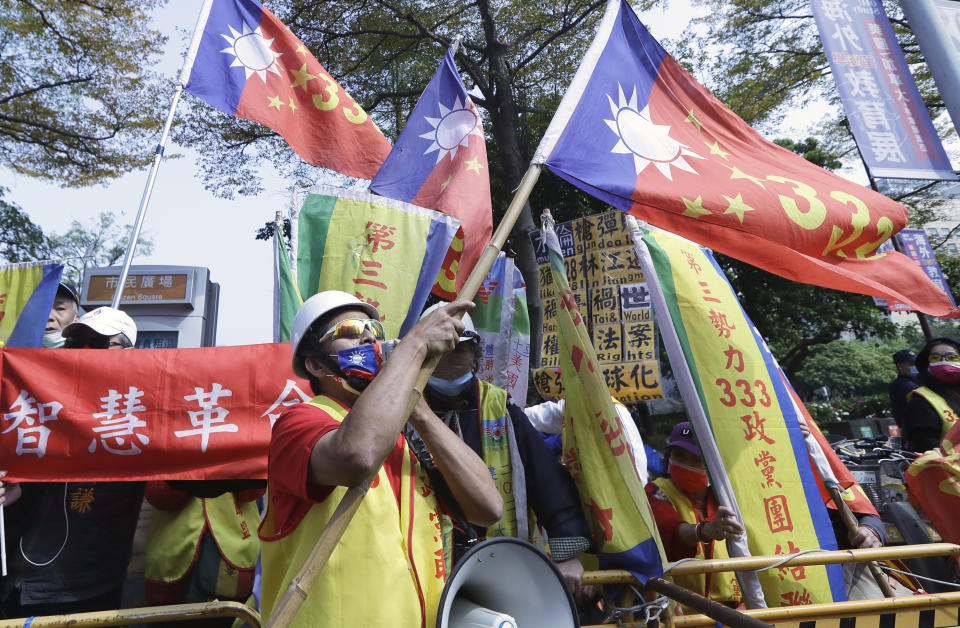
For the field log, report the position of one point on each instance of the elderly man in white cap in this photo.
(103, 328)
(389, 568)
(71, 541)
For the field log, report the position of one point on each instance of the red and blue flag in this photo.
(250, 65)
(440, 162)
(638, 132)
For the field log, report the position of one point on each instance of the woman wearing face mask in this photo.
(933, 408)
(689, 519)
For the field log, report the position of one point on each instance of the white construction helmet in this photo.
(315, 307)
(469, 333)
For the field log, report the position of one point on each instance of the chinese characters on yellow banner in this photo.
(610, 291)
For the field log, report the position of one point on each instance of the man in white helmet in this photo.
(388, 568)
(536, 488)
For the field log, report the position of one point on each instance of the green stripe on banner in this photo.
(313, 224)
(661, 260)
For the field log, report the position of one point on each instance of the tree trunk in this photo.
(503, 117)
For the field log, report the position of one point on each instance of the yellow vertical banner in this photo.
(752, 420)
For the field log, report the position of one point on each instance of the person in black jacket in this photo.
(533, 479)
(935, 406)
(905, 362)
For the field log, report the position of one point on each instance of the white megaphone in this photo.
(506, 583)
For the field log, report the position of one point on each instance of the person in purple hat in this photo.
(689, 518)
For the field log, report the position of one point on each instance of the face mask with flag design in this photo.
(362, 362)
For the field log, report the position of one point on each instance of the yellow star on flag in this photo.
(293, 106)
(692, 118)
(473, 165)
(716, 150)
(275, 102)
(443, 186)
(695, 207)
(302, 49)
(737, 206)
(737, 173)
(302, 76)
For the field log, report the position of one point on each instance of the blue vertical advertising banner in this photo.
(915, 245)
(936, 23)
(887, 116)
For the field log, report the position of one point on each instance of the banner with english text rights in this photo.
(142, 414)
(750, 415)
(595, 450)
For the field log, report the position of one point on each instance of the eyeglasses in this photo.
(354, 328)
(952, 357)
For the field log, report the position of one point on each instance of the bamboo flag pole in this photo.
(299, 588)
(822, 467)
(161, 147)
(853, 527)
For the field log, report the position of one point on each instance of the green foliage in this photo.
(811, 150)
(98, 242)
(78, 105)
(848, 409)
(847, 368)
(20, 239)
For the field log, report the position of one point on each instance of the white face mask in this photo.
(52, 341)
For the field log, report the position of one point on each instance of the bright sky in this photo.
(189, 226)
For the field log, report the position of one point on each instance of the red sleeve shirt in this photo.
(294, 436)
(668, 524)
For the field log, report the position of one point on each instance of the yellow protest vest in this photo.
(723, 586)
(947, 416)
(175, 537)
(387, 570)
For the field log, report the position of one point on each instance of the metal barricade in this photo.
(930, 610)
(143, 615)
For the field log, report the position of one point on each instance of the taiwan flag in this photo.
(250, 65)
(440, 162)
(638, 132)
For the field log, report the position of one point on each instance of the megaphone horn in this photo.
(504, 583)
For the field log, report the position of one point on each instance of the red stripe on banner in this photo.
(142, 414)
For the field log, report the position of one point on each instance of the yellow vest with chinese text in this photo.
(723, 586)
(175, 536)
(947, 416)
(388, 568)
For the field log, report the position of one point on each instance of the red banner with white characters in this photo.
(142, 414)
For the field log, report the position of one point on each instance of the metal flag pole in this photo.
(161, 146)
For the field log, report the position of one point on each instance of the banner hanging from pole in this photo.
(594, 449)
(501, 319)
(886, 113)
(751, 416)
(385, 252)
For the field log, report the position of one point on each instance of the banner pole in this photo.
(161, 147)
(749, 582)
(299, 588)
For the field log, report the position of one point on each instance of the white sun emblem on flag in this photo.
(356, 358)
(251, 51)
(453, 128)
(649, 143)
